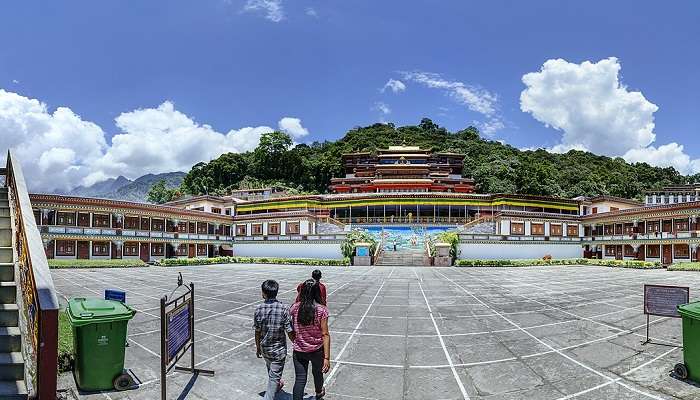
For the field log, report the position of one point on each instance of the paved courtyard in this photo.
(417, 333)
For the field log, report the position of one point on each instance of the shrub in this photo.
(357, 236)
(451, 238)
(166, 262)
(109, 263)
(571, 261)
(686, 266)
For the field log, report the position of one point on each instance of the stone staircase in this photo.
(481, 228)
(327, 227)
(401, 258)
(12, 385)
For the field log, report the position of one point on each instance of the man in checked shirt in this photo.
(272, 324)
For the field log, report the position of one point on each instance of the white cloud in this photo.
(311, 12)
(476, 99)
(59, 150)
(15, 81)
(596, 112)
(473, 97)
(394, 85)
(272, 8)
(293, 127)
(382, 108)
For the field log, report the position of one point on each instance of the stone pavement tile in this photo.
(422, 326)
(539, 318)
(465, 349)
(368, 382)
(500, 378)
(545, 392)
(425, 351)
(376, 350)
(431, 384)
(392, 326)
(563, 374)
(569, 334)
(612, 392)
(344, 323)
(388, 311)
(604, 355)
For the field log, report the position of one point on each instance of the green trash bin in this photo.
(99, 338)
(690, 368)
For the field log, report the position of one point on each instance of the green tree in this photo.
(159, 193)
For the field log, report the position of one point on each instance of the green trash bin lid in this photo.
(83, 311)
(691, 310)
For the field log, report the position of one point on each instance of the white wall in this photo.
(514, 251)
(291, 250)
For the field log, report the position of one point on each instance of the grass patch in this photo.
(119, 263)
(554, 262)
(687, 266)
(167, 262)
(65, 343)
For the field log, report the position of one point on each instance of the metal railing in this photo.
(405, 220)
(38, 303)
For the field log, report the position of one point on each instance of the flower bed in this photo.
(110, 263)
(252, 260)
(554, 262)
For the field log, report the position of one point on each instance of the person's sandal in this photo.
(320, 396)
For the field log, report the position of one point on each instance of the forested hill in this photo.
(496, 167)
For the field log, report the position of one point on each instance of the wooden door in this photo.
(144, 252)
(667, 257)
(618, 252)
(83, 250)
(192, 251)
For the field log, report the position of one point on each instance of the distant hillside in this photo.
(496, 167)
(122, 188)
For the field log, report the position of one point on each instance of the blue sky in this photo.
(226, 65)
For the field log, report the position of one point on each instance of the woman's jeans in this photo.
(301, 370)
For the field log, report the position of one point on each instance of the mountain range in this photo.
(122, 188)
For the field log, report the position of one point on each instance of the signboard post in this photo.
(662, 300)
(177, 334)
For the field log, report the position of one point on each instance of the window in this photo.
(610, 251)
(228, 211)
(192, 227)
(629, 229)
(83, 219)
(256, 229)
(201, 249)
(653, 251)
(100, 220)
(145, 223)
(241, 230)
(681, 225)
(182, 250)
(618, 229)
(65, 218)
(131, 249)
(555, 230)
(613, 209)
(131, 223)
(182, 227)
(157, 249)
(537, 229)
(202, 227)
(517, 228)
(65, 248)
(100, 248)
(594, 210)
(681, 251)
(293, 228)
(653, 227)
(609, 229)
(157, 225)
(572, 230)
(629, 251)
(273, 228)
(216, 210)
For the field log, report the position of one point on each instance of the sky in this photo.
(92, 90)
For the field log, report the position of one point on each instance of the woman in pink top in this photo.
(312, 342)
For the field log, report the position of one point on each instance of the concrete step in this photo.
(13, 390)
(9, 315)
(10, 339)
(7, 272)
(4, 210)
(3, 194)
(6, 237)
(8, 292)
(6, 254)
(11, 366)
(5, 222)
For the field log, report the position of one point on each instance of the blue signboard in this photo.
(362, 251)
(116, 295)
(178, 329)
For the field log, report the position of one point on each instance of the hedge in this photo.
(687, 266)
(166, 262)
(109, 263)
(554, 262)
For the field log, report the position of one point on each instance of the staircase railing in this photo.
(378, 251)
(480, 220)
(333, 221)
(38, 303)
